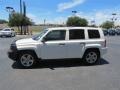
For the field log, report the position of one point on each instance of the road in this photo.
(62, 75)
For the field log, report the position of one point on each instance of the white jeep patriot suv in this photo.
(85, 43)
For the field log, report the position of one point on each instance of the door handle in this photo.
(82, 43)
(61, 43)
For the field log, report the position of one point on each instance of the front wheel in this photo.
(27, 59)
(91, 57)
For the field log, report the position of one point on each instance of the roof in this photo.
(59, 28)
(7, 28)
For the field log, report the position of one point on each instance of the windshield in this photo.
(6, 30)
(38, 36)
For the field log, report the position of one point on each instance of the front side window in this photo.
(75, 34)
(93, 34)
(55, 35)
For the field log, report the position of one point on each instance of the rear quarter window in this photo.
(93, 34)
(76, 34)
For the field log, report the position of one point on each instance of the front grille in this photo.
(13, 47)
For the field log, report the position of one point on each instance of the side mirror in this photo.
(43, 40)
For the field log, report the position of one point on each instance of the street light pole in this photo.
(21, 14)
(21, 7)
(74, 13)
(10, 10)
(24, 15)
(114, 18)
(92, 22)
(44, 22)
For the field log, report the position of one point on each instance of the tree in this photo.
(107, 24)
(3, 21)
(17, 19)
(77, 21)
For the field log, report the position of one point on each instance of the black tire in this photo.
(1, 36)
(91, 57)
(27, 63)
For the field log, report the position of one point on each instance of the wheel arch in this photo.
(28, 50)
(93, 49)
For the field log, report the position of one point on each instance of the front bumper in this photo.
(13, 51)
(7, 35)
(13, 55)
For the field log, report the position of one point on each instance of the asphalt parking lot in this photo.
(62, 75)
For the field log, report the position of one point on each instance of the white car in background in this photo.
(8, 32)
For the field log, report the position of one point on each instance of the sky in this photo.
(57, 11)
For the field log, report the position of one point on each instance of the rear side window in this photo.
(76, 34)
(93, 34)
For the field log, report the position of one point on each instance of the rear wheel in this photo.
(91, 57)
(27, 59)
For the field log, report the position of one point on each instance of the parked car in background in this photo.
(105, 32)
(117, 31)
(7, 32)
(84, 43)
(111, 32)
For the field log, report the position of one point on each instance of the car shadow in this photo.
(52, 64)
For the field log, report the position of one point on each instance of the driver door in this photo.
(54, 46)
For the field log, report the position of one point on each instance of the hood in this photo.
(4, 31)
(26, 41)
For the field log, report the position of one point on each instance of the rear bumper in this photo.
(13, 55)
(104, 51)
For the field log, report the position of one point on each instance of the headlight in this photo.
(14, 42)
(13, 46)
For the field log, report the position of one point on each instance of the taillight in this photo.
(105, 43)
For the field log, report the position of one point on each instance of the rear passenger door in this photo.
(76, 43)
